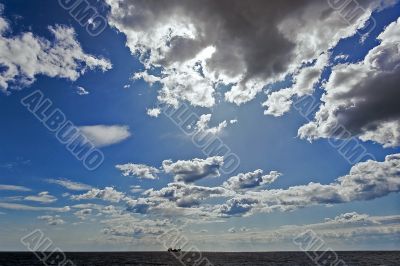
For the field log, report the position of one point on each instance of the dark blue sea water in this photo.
(215, 258)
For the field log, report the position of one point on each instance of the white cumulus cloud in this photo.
(105, 135)
(26, 55)
(138, 170)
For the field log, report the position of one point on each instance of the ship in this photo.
(174, 250)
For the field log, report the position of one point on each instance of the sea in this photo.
(341, 258)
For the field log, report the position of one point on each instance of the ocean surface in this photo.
(215, 258)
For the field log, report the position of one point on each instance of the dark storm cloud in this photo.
(241, 30)
(255, 42)
(363, 97)
(377, 100)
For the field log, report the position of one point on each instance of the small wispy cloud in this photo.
(14, 164)
(42, 197)
(52, 220)
(83, 213)
(232, 230)
(203, 125)
(136, 189)
(81, 91)
(14, 188)
(71, 185)
(23, 207)
(154, 112)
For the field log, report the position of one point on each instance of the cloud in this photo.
(304, 80)
(125, 225)
(52, 220)
(196, 56)
(351, 99)
(245, 194)
(82, 214)
(354, 228)
(203, 125)
(232, 230)
(365, 181)
(81, 91)
(237, 206)
(71, 185)
(25, 56)
(141, 171)
(146, 77)
(193, 170)
(350, 217)
(250, 180)
(140, 205)
(184, 195)
(14, 188)
(155, 112)
(23, 207)
(19, 162)
(42, 197)
(177, 200)
(136, 189)
(103, 135)
(343, 57)
(88, 206)
(106, 194)
(111, 210)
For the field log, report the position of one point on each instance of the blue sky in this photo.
(153, 176)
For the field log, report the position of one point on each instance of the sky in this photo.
(240, 124)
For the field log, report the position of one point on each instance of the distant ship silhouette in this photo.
(174, 250)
